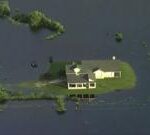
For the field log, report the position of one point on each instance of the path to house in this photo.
(41, 84)
(56, 81)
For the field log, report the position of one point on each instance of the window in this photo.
(117, 74)
(92, 85)
(72, 85)
(79, 85)
(84, 85)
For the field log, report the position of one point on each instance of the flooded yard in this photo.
(90, 27)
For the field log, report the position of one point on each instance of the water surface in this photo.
(90, 26)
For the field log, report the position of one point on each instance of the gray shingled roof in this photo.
(105, 65)
(82, 78)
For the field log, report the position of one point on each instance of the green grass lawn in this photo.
(126, 82)
(57, 69)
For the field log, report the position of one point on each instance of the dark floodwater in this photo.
(90, 25)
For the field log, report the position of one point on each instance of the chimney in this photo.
(76, 70)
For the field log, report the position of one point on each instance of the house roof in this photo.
(81, 78)
(87, 68)
(104, 65)
(69, 69)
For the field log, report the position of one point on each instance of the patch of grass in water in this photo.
(119, 36)
(144, 44)
(36, 20)
(60, 104)
(4, 9)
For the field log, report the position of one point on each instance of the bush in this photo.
(60, 104)
(119, 36)
(37, 20)
(4, 9)
(21, 18)
(4, 95)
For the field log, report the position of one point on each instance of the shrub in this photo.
(4, 9)
(21, 18)
(4, 95)
(60, 104)
(119, 36)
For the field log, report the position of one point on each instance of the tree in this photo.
(51, 59)
(119, 36)
(4, 9)
(3, 95)
(35, 20)
(60, 104)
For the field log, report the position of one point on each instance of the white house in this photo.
(84, 76)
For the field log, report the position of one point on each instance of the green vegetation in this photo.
(56, 70)
(148, 54)
(60, 104)
(20, 95)
(4, 9)
(32, 95)
(127, 81)
(4, 95)
(44, 90)
(144, 44)
(119, 36)
(35, 19)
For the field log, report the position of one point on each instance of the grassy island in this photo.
(57, 69)
(36, 20)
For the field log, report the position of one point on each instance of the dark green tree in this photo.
(119, 36)
(4, 8)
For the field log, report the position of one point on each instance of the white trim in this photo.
(90, 80)
(92, 87)
(76, 87)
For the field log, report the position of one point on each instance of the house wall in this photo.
(76, 86)
(99, 74)
(92, 87)
(83, 87)
(109, 74)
